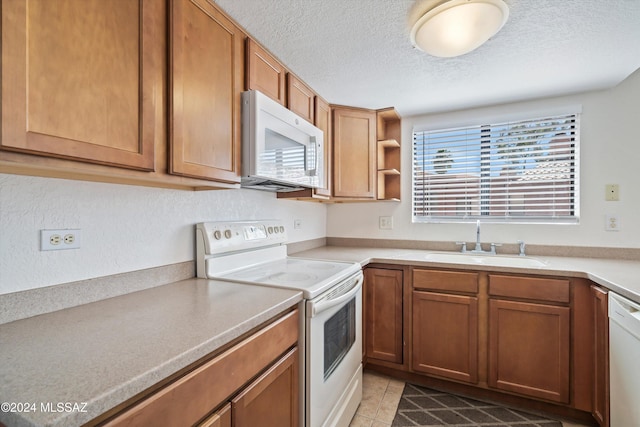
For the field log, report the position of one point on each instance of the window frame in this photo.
(495, 122)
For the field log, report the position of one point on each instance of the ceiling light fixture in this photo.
(457, 27)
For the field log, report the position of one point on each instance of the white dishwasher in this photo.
(624, 361)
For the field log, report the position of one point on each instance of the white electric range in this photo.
(255, 252)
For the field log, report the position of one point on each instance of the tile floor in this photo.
(380, 398)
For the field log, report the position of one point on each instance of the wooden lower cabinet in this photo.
(445, 335)
(271, 400)
(222, 418)
(383, 312)
(534, 342)
(256, 379)
(529, 349)
(600, 396)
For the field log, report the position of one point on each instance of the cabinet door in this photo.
(272, 399)
(83, 80)
(300, 98)
(529, 349)
(383, 314)
(601, 356)
(322, 113)
(206, 86)
(445, 335)
(354, 153)
(222, 418)
(265, 73)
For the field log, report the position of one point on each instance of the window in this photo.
(519, 171)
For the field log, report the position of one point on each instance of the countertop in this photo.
(95, 356)
(622, 277)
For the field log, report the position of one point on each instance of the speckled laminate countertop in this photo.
(97, 355)
(622, 277)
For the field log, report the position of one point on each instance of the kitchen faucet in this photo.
(478, 248)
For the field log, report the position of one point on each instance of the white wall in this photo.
(127, 228)
(610, 154)
(124, 228)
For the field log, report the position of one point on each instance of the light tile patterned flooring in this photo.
(380, 398)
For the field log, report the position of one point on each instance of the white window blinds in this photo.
(522, 171)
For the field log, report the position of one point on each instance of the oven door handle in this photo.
(315, 308)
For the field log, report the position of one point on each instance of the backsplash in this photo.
(124, 228)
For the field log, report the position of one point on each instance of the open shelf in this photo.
(388, 155)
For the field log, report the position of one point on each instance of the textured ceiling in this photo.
(357, 52)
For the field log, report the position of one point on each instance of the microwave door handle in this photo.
(314, 144)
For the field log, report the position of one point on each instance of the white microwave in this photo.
(281, 151)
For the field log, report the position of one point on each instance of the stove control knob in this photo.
(217, 235)
(270, 230)
(227, 234)
(282, 229)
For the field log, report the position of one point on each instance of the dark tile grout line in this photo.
(443, 410)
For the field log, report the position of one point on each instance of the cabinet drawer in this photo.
(452, 281)
(191, 397)
(541, 289)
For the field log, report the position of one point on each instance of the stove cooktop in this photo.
(255, 252)
(312, 277)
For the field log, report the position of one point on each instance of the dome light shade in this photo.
(458, 26)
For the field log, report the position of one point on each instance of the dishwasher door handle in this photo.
(624, 312)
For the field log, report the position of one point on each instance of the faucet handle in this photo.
(494, 246)
(522, 247)
(464, 246)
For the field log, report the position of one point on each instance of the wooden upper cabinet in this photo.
(206, 85)
(83, 80)
(265, 73)
(300, 98)
(389, 154)
(322, 113)
(354, 153)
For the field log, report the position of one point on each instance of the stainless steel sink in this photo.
(494, 260)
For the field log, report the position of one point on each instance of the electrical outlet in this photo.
(55, 240)
(612, 223)
(297, 224)
(386, 223)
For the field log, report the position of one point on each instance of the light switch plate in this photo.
(612, 192)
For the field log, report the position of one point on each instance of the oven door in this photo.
(334, 354)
